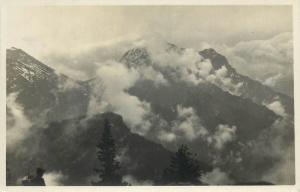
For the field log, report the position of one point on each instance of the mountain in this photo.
(250, 89)
(69, 147)
(213, 105)
(41, 90)
(216, 107)
(223, 116)
(67, 139)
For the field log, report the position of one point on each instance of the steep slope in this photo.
(41, 91)
(69, 147)
(247, 125)
(250, 88)
(210, 103)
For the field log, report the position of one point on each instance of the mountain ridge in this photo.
(244, 116)
(250, 87)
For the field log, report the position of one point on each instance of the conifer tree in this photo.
(108, 173)
(183, 169)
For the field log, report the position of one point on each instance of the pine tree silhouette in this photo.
(183, 169)
(106, 154)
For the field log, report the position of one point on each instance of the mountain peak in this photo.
(217, 60)
(136, 56)
(210, 51)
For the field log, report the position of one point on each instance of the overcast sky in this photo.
(235, 31)
(67, 27)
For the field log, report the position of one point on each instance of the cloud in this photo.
(109, 88)
(18, 124)
(277, 108)
(96, 103)
(273, 80)
(67, 84)
(189, 66)
(186, 65)
(277, 50)
(187, 126)
(216, 177)
(115, 79)
(133, 181)
(264, 60)
(92, 25)
(92, 37)
(82, 64)
(148, 73)
(189, 123)
(54, 178)
(221, 78)
(93, 45)
(223, 135)
(167, 136)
